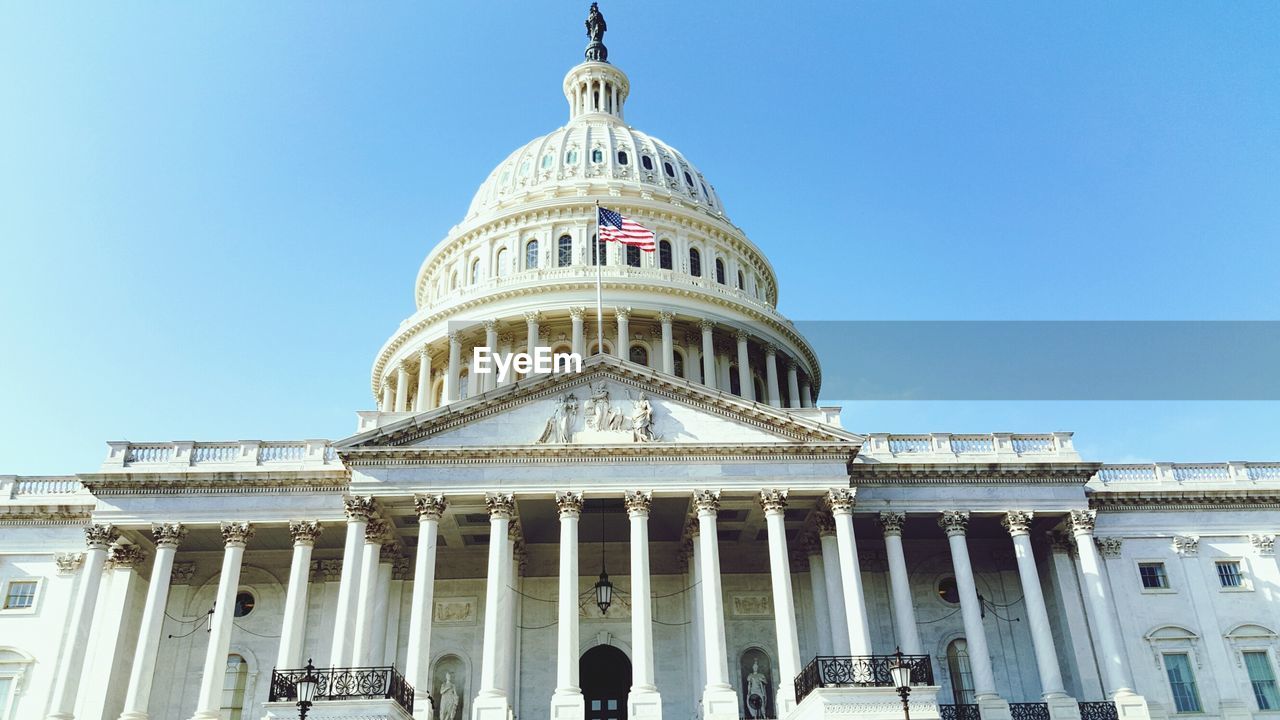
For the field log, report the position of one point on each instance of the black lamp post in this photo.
(603, 588)
(306, 687)
(901, 672)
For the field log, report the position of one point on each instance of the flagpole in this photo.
(595, 251)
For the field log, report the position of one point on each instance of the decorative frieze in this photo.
(305, 532)
(638, 502)
(430, 507)
(182, 573)
(68, 562)
(1083, 521)
(358, 509)
(100, 536)
(168, 535)
(841, 501)
(1264, 544)
(1017, 522)
(773, 500)
(236, 534)
(954, 522)
(500, 505)
(891, 522)
(1186, 545)
(1109, 546)
(706, 501)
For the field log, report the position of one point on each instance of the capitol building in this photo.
(679, 530)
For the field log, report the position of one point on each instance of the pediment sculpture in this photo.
(602, 421)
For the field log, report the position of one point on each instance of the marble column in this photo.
(692, 357)
(835, 588)
(744, 367)
(293, 630)
(668, 342)
(532, 330)
(454, 373)
(235, 535)
(66, 681)
(698, 662)
(489, 381)
(430, 509)
(375, 536)
(402, 387)
(719, 702)
(567, 702)
(423, 401)
(841, 501)
(955, 524)
(904, 610)
(359, 510)
(579, 344)
(644, 700)
(388, 554)
(771, 375)
(806, 396)
(491, 702)
(708, 354)
(1111, 656)
(818, 588)
(1018, 523)
(793, 385)
(622, 346)
(774, 504)
(167, 537)
(388, 402)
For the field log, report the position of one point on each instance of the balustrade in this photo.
(361, 683)
(859, 671)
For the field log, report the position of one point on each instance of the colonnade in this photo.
(408, 387)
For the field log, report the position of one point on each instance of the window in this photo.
(531, 255)
(599, 251)
(547, 160)
(233, 687)
(1186, 699)
(735, 382)
(688, 178)
(647, 162)
(719, 271)
(671, 172)
(633, 255)
(597, 156)
(695, 263)
(664, 255)
(639, 355)
(1153, 576)
(524, 168)
(20, 595)
(245, 603)
(622, 157)
(742, 283)
(6, 695)
(1229, 574)
(475, 271)
(571, 157)
(564, 251)
(961, 676)
(500, 261)
(949, 591)
(1262, 677)
(679, 363)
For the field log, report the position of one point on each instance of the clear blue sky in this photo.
(211, 214)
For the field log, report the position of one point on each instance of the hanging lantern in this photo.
(604, 592)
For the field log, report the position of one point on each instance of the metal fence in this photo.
(859, 671)
(368, 683)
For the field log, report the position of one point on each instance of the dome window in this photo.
(704, 191)
(564, 251)
(742, 283)
(647, 162)
(245, 603)
(639, 355)
(531, 255)
(597, 156)
(664, 255)
(475, 271)
(678, 357)
(671, 172)
(571, 157)
(719, 271)
(688, 178)
(622, 157)
(598, 251)
(695, 262)
(500, 262)
(524, 168)
(547, 160)
(633, 255)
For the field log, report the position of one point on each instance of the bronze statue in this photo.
(596, 51)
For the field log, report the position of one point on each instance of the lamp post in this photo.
(901, 672)
(306, 687)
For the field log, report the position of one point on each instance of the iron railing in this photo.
(1029, 711)
(959, 712)
(367, 683)
(1105, 710)
(860, 671)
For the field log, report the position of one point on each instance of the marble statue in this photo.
(642, 420)
(757, 692)
(448, 698)
(600, 414)
(559, 428)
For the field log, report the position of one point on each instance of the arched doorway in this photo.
(605, 674)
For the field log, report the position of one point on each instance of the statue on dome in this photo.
(596, 27)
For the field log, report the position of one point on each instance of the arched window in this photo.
(647, 162)
(564, 251)
(639, 355)
(453, 281)
(742, 282)
(531, 255)
(233, 688)
(679, 362)
(664, 255)
(500, 261)
(547, 160)
(571, 157)
(599, 251)
(633, 255)
(597, 156)
(671, 172)
(719, 271)
(475, 271)
(622, 157)
(695, 262)
(245, 602)
(958, 669)
(758, 385)
(735, 383)
(688, 178)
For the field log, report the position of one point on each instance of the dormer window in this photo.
(688, 178)
(597, 156)
(622, 157)
(671, 172)
(646, 162)
(571, 157)
(547, 160)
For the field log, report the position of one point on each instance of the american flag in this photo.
(616, 228)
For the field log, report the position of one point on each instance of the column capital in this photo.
(770, 349)
(182, 573)
(532, 316)
(666, 317)
(401, 568)
(1061, 541)
(376, 532)
(741, 335)
(954, 522)
(706, 501)
(455, 338)
(168, 535)
(68, 562)
(638, 502)
(570, 504)
(305, 532)
(358, 509)
(825, 523)
(327, 570)
(773, 500)
(1186, 545)
(1017, 522)
(1109, 546)
(577, 313)
(100, 536)
(403, 366)
(390, 553)
(424, 354)
(500, 505)
(707, 325)
(799, 558)
(236, 534)
(622, 313)
(430, 507)
(1265, 545)
(1083, 521)
(841, 501)
(490, 325)
(891, 522)
(125, 556)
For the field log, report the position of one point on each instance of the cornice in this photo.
(1183, 500)
(594, 454)
(1019, 473)
(219, 483)
(46, 516)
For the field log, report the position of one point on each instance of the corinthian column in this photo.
(1113, 665)
(359, 510)
(719, 702)
(793, 385)
(304, 534)
(904, 611)
(67, 680)
(984, 683)
(830, 565)
(744, 367)
(579, 344)
(774, 503)
(771, 374)
(644, 700)
(138, 694)
(402, 387)
(454, 371)
(235, 535)
(423, 402)
(841, 501)
(1018, 523)
(375, 536)
(567, 702)
(668, 344)
(491, 702)
(623, 316)
(489, 381)
(708, 354)
(418, 668)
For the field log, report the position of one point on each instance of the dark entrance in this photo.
(605, 674)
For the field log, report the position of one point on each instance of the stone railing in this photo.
(946, 447)
(39, 486)
(241, 455)
(1189, 474)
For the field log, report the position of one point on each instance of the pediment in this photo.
(610, 403)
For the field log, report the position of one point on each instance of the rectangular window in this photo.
(6, 692)
(1186, 698)
(20, 595)
(1153, 575)
(1263, 679)
(1229, 574)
